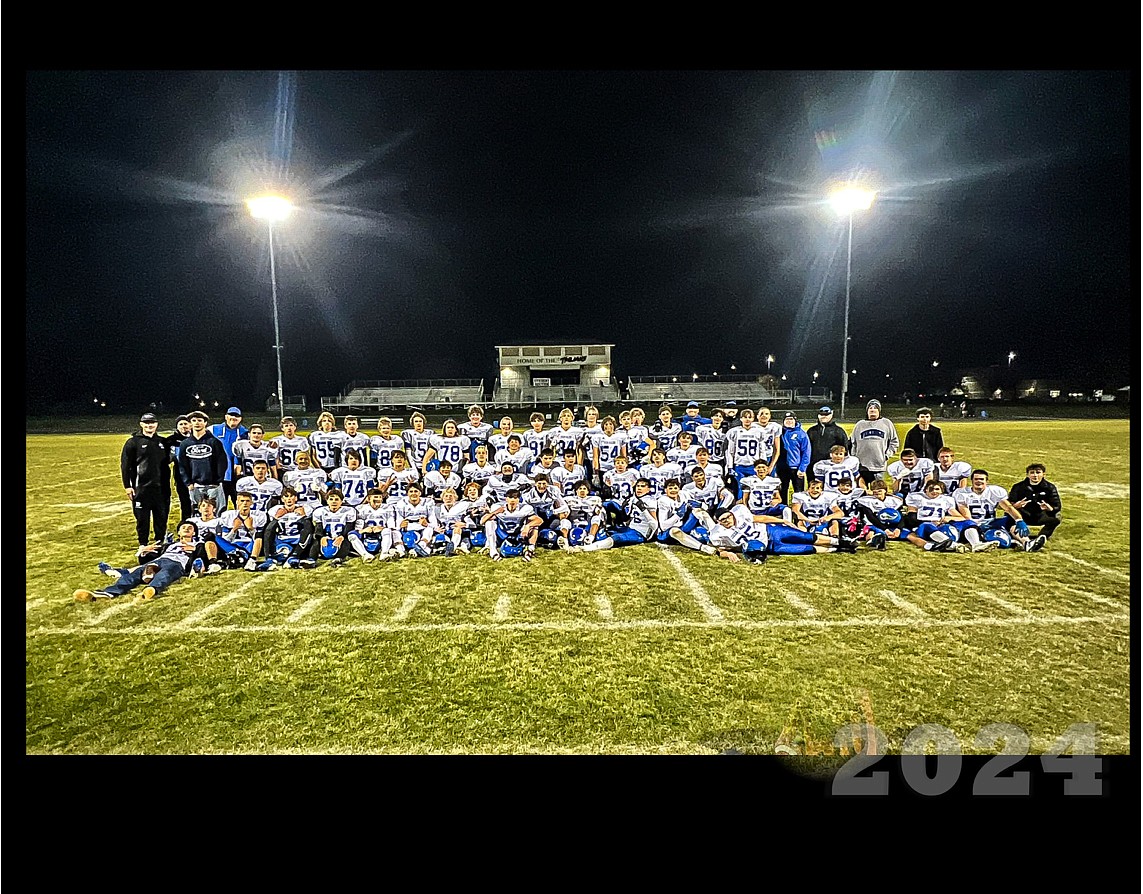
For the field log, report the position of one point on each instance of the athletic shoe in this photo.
(759, 559)
(251, 565)
(336, 562)
(113, 573)
(293, 562)
(147, 595)
(268, 565)
(308, 563)
(529, 555)
(1034, 546)
(846, 545)
(563, 544)
(449, 548)
(574, 549)
(214, 568)
(150, 571)
(964, 548)
(103, 594)
(878, 541)
(83, 596)
(464, 547)
(496, 557)
(368, 557)
(946, 546)
(985, 546)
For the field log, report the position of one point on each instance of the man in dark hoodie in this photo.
(1037, 499)
(204, 462)
(794, 458)
(823, 436)
(145, 465)
(924, 437)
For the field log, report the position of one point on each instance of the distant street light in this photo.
(732, 366)
(936, 363)
(273, 209)
(816, 374)
(1011, 357)
(769, 360)
(846, 200)
(694, 377)
(783, 377)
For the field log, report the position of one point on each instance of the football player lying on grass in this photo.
(156, 575)
(740, 531)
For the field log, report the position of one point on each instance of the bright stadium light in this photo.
(694, 377)
(732, 366)
(769, 360)
(1011, 357)
(846, 200)
(816, 374)
(273, 209)
(936, 363)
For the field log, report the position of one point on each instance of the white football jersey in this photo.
(368, 517)
(714, 440)
(638, 442)
(610, 446)
(397, 483)
(830, 473)
(665, 438)
(669, 512)
(912, 480)
(812, 508)
(309, 483)
(246, 454)
(534, 440)
(498, 440)
(874, 505)
(354, 484)
(982, 506)
(382, 450)
(585, 511)
(226, 525)
(932, 511)
(952, 477)
(548, 504)
(522, 459)
(567, 479)
(771, 434)
(848, 503)
(512, 521)
(436, 483)
(455, 450)
(328, 523)
(358, 441)
(325, 449)
(561, 439)
(478, 473)
(262, 492)
(416, 444)
(684, 459)
(744, 446)
(289, 523)
(288, 450)
(497, 488)
(622, 485)
(659, 475)
(476, 434)
(757, 492)
(710, 495)
(464, 512)
(641, 515)
(712, 470)
(416, 518)
(743, 529)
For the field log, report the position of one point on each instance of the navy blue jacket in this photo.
(203, 460)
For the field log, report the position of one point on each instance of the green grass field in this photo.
(633, 651)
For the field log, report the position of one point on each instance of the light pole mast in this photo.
(277, 336)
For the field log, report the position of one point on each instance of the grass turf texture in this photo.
(609, 653)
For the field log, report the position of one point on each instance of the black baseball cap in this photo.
(791, 415)
(148, 417)
(824, 411)
(183, 418)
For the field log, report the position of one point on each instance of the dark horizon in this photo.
(678, 215)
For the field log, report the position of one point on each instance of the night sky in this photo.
(678, 215)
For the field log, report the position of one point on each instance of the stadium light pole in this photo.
(846, 200)
(273, 209)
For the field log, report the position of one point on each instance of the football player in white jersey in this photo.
(352, 438)
(566, 436)
(535, 438)
(881, 512)
(384, 444)
(498, 440)
(260, 486)
(683, 454)
(838, 466)
(549, 504)
(332, 524)
(416, 438)
(440, 480)
(250, 449)
(910, 473)
(845, 514)
(952, 472)
(936, 514)
(980, 501)
(619, 483)
(740, 531)
(811, 506)
(373, 535)
(658, 470)
(665, 432)
(712, 437)
(758, 488)
(712, 470)
(771, 438)
(744, 447)
(450, 444)
(461, 519)
(239, 534)
(397, 479)
(607, 447)
(677, 520)
(635, 436)
(592, 432)
(288, 445)
(325, 443)
(416, 521)
(354, 479)
(516, 453)
(567, 476)
(639, 527)
(479, 470)
(585, 515)
(707, 493)
(510, 526)
(496, 489)
(476, 430)
(289, 532)
(310, 483)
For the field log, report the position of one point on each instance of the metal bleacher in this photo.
(552, 395)
(709, 392)
(421, 393)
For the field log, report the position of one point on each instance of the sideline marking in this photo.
(91, 521)
(70, 483)
(1007, 606)
(1098, 490)
(500, 613)
(195, 617)
(804, 607)
(1088, 564)
(406, 608)
(904, 604)
(1114, 603)
(304, 609)
(572, 626)
(603, 605)
(713, 615)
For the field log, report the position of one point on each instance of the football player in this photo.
(288, 445)
(450, 444)
(384, 444)
(416, 438)
(354, 479)
(289, 532)
(250, 449)
(440, 480)
(640, 526)
(838, 466)
(325, 443)
(332, 524)
(951, 472)
(510, 526)
(260, 485)
(310, 483)
(910, 473)
(476, 430)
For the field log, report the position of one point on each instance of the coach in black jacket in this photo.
(145, 465)
(824, 435)
(1037, 499)
(203, 461)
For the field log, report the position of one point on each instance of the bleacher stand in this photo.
(429, 394)
(708, 392)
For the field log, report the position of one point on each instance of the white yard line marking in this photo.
(603, 606)
(571, 626)
(1084, 562)
(74, 525)
(800, 604)
(33, 603)
(193, 618)
(304, 609)
(712, 612)
(118, 605)
(904, 604)
(1115, 603)
(500, 613)
(63, 484)
(1007, 606)
(402, 613)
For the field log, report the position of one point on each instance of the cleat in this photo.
(268, 565)
(964, 548)
(846, 545)
(946, 546)
(336, 562)
(147, 595)
(293, 562)
(563, 544)
(985, 546)
(251, 565)
(150, 571)
(368, 557)
(529, 555)
(113, 573)
(213, 568)
(574, 549)
(385, 554)
(496, 557)
(308, 563)
(464, 547)
(83, 596)
(878, 541)
(449, 548)
(1034, 546)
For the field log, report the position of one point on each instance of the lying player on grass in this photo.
(155, 575)
(740, 531)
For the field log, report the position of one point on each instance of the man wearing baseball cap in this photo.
(228, 432)
(692, 419)
(145, 466)
(874, 441)
(794, 458)
(824, 436)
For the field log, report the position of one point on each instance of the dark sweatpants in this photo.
(1037, 516)
(151, 506)
(788, 477)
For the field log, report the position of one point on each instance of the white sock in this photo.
(605, 543)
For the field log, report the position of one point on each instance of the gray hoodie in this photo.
(873, 442)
